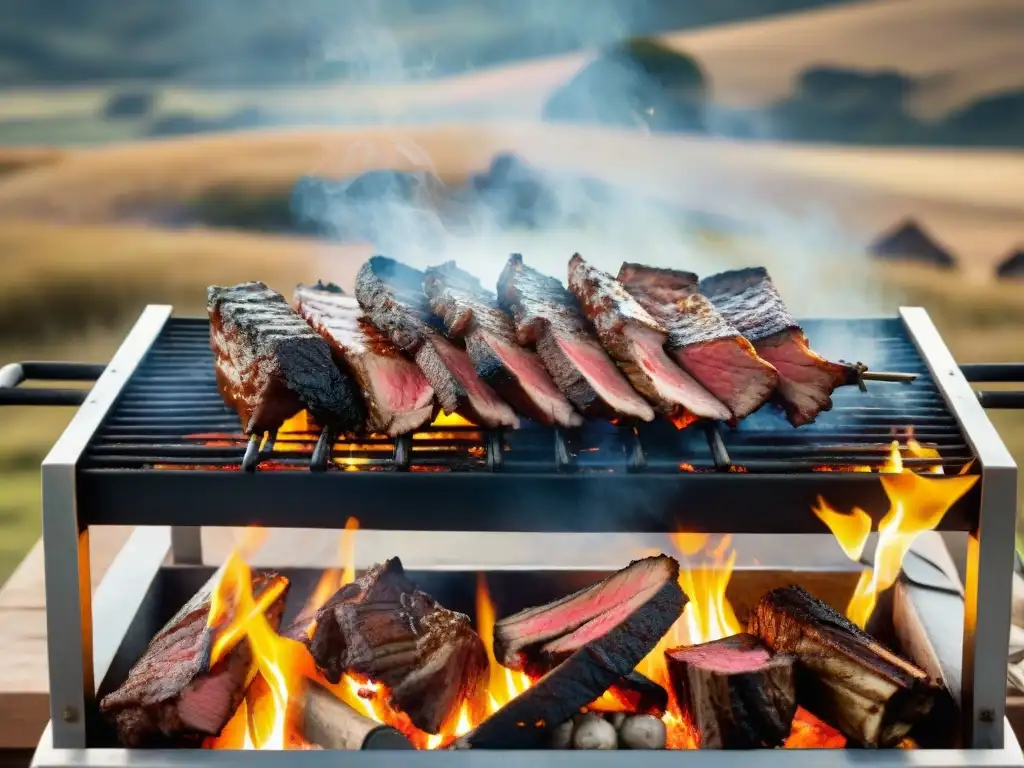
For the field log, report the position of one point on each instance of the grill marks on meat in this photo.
(397, 395)
(607, 642)
(735, 693)
(548, 318)
(381, 627)
(392, 296)
(843, 674)
(700, 339)
(636, 341)
(270, 364)
(172, 693)
(749, 300)
(471, 313)
(536, 639)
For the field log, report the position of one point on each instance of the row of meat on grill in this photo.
(649, 342)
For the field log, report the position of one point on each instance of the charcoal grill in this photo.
(152, 445)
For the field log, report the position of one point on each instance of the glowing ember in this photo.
(808, 732)
(917, 504)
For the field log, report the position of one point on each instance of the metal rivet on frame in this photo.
(987, 716)
(69, 715)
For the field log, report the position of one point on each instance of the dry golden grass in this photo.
(13, 159)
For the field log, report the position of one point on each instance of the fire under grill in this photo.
(153, 446)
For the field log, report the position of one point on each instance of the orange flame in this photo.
(917, 504)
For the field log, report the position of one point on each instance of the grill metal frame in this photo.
(69, 508)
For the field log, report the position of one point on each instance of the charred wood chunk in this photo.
(700, 339)
(735, 693)
(391, 294)
(471, 315)
(269, 364)
(843, 674)
(600, 634)
(173, 694)
(397, 395)
(330, 723)
(635, 339)
(748, 299)
(548, 318)
(381, 627)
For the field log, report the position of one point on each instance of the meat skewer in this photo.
(548, 318)
(734, 693)
(843, 674)
(172, 692)
(381, 627)
(636, 341)
(270, 364)
(392, 295)
(397, 395)
(748, 299)
(700, 339)
(471, 313)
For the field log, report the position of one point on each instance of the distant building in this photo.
(1012, 265)
(909, 242)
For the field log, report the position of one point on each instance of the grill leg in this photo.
(187, 545)
(68, 609)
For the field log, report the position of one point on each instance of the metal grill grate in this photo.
(170, 416)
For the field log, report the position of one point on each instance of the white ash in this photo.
(609, 730)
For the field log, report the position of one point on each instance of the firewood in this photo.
(843, 674)
(735, 693)
(618, 637)
(330, 723)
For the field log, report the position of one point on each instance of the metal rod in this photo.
(563, 456)
(901, 378)
(494, 450)
(993, 373)
(322, 451)
(717, 445)
(187, 545)
(403, 452)
(998, 400)
(252, 454)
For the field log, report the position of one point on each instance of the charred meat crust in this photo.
(636, 340)
(749, 300)
(700, 339)
(391, 293)
(471, 313)
(172, 694)
(270, 364)
(397, 396)
(381, 627)
(548, 318)
(846, 677)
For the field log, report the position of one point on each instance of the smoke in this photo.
(718, 220)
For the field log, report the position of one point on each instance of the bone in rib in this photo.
(471, 313)
(392, 295)
(748, 299)
(734, 693)
(843, 674)
(589, 641)
(548, 318)
(700, 339)
(172, 694)
(398, 396)
(269, 364)
(636, 341)
(381, 627)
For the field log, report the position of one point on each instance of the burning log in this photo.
(174, 692)
(330, 723)
(843, 674)
(381, 627)
(734, 692)
(600, 634)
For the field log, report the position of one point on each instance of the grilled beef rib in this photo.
(392, 295)
(270, 364)
(636, 341)
(700, 339)
(471, 314)
(748, 299)
(548, 318)
(172, 693)
(398, 396)
(381, 627)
